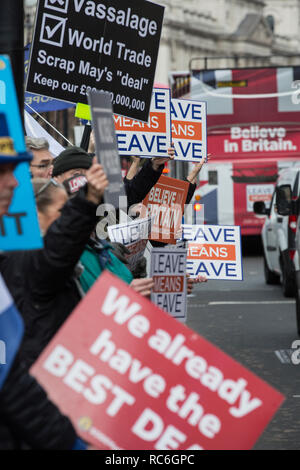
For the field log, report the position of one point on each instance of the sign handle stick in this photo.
(85, 141)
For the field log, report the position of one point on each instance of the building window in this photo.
(271, 22)
(213, 177)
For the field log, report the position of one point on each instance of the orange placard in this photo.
(187, 130)
(213, 252)
(165, 203)
(168, 284)
(156, 123)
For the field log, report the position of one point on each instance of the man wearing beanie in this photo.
(71, 162)
(74, 161)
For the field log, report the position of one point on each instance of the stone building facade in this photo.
(253, 32)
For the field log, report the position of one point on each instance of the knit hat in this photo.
(71, 159)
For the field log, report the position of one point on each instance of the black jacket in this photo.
(28, 419)
(42, 281)
(138, 188)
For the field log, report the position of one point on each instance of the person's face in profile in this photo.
(8, 183)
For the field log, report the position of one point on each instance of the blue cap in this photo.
(18, 158)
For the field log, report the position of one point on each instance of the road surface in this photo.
(256, 325)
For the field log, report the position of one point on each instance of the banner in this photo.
(106, 145)
(132, 378)
(165, 204)
(189, 132)
(19, 229)
(134, 235)
(147, 140)
(168, 270)
(251, 112)
(34, 129)
(116, 44)
(214, 251)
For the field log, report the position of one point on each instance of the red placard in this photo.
(165, 202)
(131, 377)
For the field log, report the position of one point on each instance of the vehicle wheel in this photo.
(288, 281)
(298, 303)
(271, 278)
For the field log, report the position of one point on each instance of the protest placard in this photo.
(214, 251)
(147, 140)
(168, 270)
(106, 145)
(11, 331)
(132, 377)
(165, 204)
(189, 131)
(116, 44)
(19, 228)
(259, 192)
(134, 235)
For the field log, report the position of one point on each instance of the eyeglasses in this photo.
(42, 166)
(46, 185)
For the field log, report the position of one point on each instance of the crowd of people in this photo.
(47, 284)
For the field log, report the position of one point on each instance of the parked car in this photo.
(279, 231)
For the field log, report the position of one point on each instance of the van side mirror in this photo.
(259, 208)
(283, 202)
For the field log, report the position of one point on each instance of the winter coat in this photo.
(42, 282)
(138, 188)
(28, 419)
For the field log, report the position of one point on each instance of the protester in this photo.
(42, 163)
(27, 418)
(192, 178)
(74, 161)
(134, 168)
(50, 198)
(8, 183)
(50, 293)
(98, 255)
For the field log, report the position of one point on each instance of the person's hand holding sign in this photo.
(191, 282)
(142, 286)
(157, 161)
(97, 182)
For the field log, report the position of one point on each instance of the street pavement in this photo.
(250, 321)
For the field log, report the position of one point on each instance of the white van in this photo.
(279, 231)
(297, 265)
